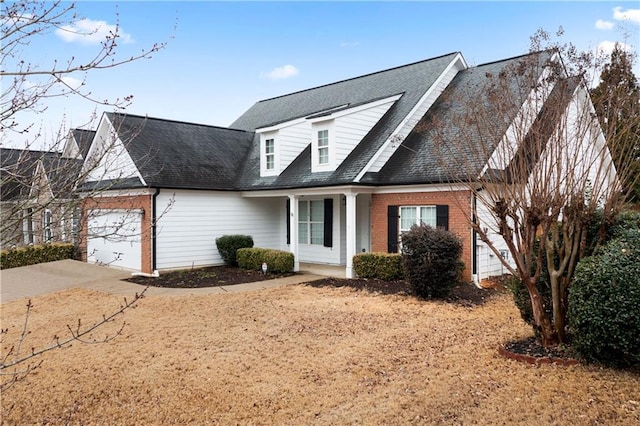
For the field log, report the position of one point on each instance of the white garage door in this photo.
(114, 238)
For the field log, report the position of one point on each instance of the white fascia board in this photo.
(282, 125)
(458, 60)
(431, 187)
(121, 192)
(347, 111)
(523, 118)
(327, 190)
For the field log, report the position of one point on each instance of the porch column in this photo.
(293, 231)
(351, 232)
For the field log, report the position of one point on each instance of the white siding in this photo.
(108, 158)
(186, 233)
(488, 262)
(292, 140)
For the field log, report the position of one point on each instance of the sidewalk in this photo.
(35, 280)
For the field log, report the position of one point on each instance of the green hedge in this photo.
(384, 266)
(278, 261)
(603, 303)
(32, 255)
(228, 245)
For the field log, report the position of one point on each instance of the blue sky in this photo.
(222, 57)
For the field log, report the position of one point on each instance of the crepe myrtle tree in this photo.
(549, 168)
(40, 201)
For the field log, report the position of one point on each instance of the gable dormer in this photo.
(108, 158)
(332, 133)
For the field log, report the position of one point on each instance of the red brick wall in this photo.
(142, 202)
(457, 219)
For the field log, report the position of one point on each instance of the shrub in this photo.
(603, 303)
(431, 260)
(32, 255)
(228, 245)
(384, 266)
(278, 261)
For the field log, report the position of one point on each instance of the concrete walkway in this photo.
(35, 280)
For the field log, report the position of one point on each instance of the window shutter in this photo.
(392, 229)
(288, 221)
(328, 222)
(442, 217)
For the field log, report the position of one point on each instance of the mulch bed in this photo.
(213, 276)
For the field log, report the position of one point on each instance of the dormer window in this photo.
(270, 154)
(323, 146)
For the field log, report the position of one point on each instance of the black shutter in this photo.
(328, 222)
(392, 229)
(288, 221)
(442, 217)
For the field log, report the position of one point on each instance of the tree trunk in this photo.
(547, 331)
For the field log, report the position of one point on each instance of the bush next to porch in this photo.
(384, 266)
(278, 261)
(228, 245)
(431, 258)
(31, 255)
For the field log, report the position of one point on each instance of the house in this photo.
(38, 200)
(325, 173)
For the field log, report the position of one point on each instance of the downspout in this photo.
(153, 231)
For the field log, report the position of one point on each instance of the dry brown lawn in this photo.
(302, 355)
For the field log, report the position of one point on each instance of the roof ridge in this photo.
(360, 76)
(169, 120)
(512, 58)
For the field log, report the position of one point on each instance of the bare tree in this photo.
(17, 362)
(40, 201)
(524, 138)
(40, 197)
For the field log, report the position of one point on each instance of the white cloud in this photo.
(350, 44)
(71, 82)
(632, 15)
(604, 25)
(606, 47)
(281, 73)
(88, 31)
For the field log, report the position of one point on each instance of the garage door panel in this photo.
(115, 239)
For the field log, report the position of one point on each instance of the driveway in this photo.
(44, 278)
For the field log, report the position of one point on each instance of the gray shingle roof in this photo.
(173, 154)
(411, 80)
(83, 139)
(18, 167)
(419, 159)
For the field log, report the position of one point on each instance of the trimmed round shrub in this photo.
(228, 245)
(278, 261)
(604, 301)
(383, 266)
(431, 260)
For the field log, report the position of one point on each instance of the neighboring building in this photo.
(38, 200)
(318, 172)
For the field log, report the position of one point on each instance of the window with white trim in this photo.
(323, 146)
(415, 215)
(270, 154)
(28, 226)
(47, 226)
(311, 222)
